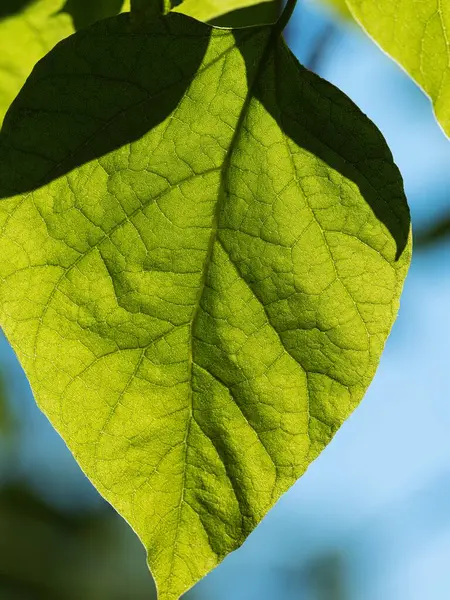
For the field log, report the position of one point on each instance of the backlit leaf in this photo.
(202, 251)
(25, 38)
(416, 33)
(207, 10)
(258, 14)
(27, 35)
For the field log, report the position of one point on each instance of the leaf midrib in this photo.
(223, 191)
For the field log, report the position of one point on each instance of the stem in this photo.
(286, 15)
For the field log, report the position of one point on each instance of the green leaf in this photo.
(86, 12)
(10, 7)
(200, 263)
(144, 10)
(258, 14)
(207, 10)
(416, 33)
(38, 28)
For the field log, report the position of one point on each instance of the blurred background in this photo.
(371, 518)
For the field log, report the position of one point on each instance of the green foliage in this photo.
(200, 262)
(258, 14)
(39, 27)
(416, 34)
(27, 35)
(207, 10)
(143, 10)
(10, 7)
(86, 12)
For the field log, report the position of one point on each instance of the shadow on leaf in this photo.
(322, 120)
(95, 94)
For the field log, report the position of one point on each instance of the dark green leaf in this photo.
(86, 12)
(416, 33)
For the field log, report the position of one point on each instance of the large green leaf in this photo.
(416, 33)
(200, 263)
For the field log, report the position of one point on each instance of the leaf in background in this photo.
(27, 36)
(416, 33)
(435, 233)
(24, 39)
(258, 14)
(10, 7)
(207, 10)
(86, 12)
(200, 263)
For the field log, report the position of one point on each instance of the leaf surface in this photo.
(200, 263)
(416, 33)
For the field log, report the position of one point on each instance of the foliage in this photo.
(416, 34)
(10, 7)
(207, 10)
(196, 324)
(259, 14)
(39, 27)
(86, 12)
(202, 252)
(41, 24)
